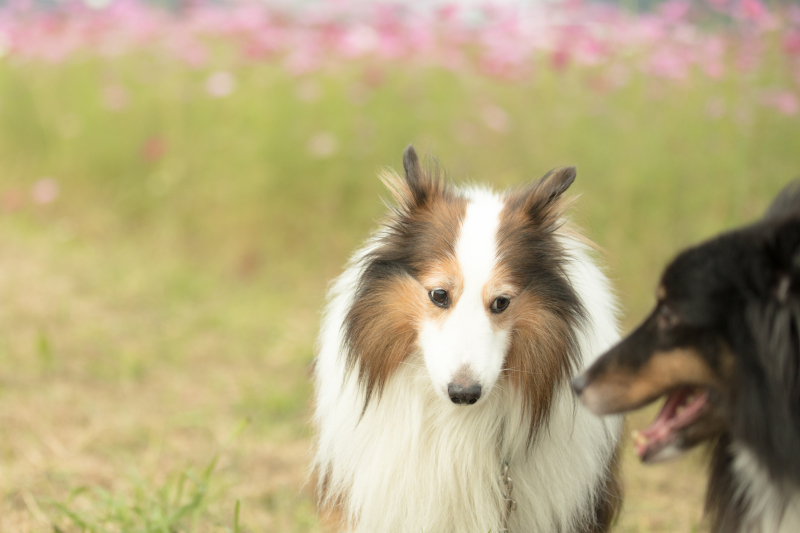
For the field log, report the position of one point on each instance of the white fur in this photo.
(466, 340)
(769, 509)
(414, 461)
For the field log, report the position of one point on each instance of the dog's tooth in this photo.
(638, 438)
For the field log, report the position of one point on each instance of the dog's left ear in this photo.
(554, 183)
(543, 197)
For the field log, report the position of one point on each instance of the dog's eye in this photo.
(500, 304)
(439, 297)
(666, 318)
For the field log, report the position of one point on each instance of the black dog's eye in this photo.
(439, 297)
(665, 317)
(500, 304)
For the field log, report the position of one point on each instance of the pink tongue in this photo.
(663, 423)
(669, 419)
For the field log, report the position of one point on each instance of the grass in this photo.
(177, 504)
(138, 395)
(172, 290)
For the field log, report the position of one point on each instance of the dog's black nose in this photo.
(579, 383)
(464, 395)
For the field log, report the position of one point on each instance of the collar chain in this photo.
(511, 504)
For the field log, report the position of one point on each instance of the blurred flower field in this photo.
(179, 184)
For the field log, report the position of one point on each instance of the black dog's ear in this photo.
(783, 250)
(786, 203)
(783, 216)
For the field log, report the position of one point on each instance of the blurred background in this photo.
(180, 180)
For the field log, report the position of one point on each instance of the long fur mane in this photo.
(391, 455)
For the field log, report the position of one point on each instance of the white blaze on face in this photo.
(464, 341)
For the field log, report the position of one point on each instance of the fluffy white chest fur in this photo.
(769, 509)
(397, 449)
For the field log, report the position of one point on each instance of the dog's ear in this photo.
(420, 184)
(541, 201)
(553, 184)
(786, 203)
(415, 177)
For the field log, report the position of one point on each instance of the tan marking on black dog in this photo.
(661, 293)
(618, 389)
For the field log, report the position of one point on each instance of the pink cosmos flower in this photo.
(359, 40)
(674, 10)
(503, 41)
(753, 10)
(791, 42)
(669, 62)
(45, 191)
(11, 200)
(785, 102)
(153, 149)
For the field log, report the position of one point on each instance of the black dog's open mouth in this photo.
(682, 408)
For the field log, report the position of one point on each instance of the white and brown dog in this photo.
(446, 351)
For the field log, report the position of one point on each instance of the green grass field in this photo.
(158, 318)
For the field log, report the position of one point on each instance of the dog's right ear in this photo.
(417, 181)
(419, 186)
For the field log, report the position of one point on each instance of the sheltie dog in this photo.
(443, 367)
(723, 345)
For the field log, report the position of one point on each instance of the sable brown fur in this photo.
(543, 349)
(331, 512)
(420, 234)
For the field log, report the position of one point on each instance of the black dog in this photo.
(723, 345)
